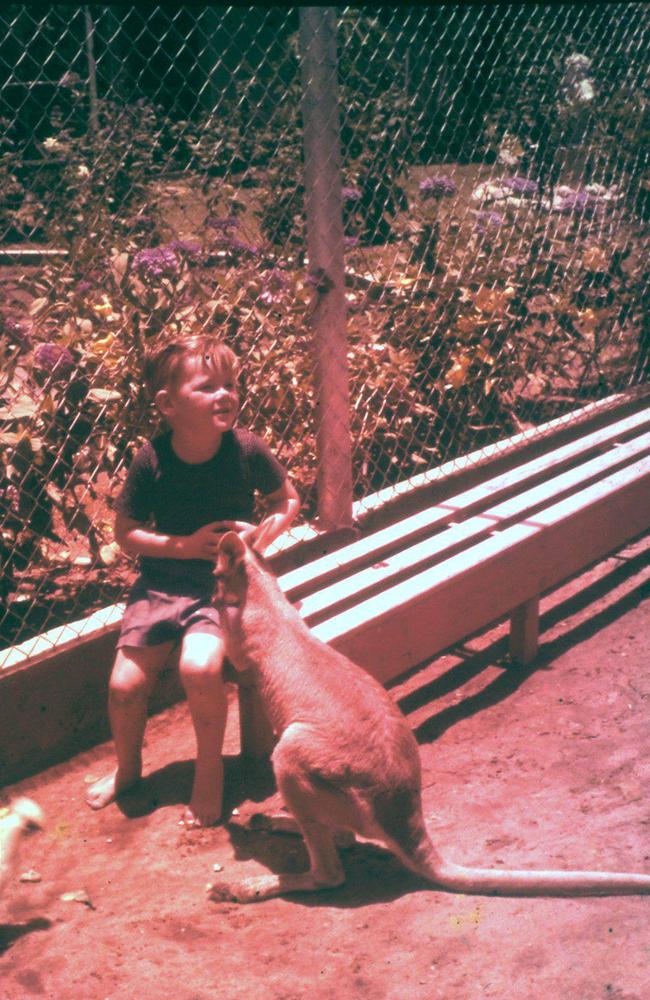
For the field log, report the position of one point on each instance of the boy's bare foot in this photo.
(204, 808)
(107, 789)
(199, 814)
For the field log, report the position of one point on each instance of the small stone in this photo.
(31, 876)
(217, 868)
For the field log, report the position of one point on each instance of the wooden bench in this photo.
(433, 560)
(404, 593)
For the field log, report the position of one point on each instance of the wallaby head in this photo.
(237, 560)
(230, 572)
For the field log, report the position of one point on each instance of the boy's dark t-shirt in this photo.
(180, 498)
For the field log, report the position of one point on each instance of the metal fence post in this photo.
(93, 115)
(322, 171)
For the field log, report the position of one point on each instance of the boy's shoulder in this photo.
(152, 454)
(245, 439)
(156, 449)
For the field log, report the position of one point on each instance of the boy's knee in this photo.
(200, 666)
(129, 681)
(125, 688)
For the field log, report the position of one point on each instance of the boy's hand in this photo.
(258, 536)
(204, 543)
(247, 530)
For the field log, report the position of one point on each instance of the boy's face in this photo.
(202, 399)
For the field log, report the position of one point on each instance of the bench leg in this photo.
(524, 631)
(255, 733)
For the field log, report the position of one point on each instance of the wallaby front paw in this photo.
(250, 890)
(220, 892)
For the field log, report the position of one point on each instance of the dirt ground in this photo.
(535, 767)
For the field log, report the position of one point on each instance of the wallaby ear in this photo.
(232, 548)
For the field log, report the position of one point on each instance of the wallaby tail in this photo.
(426, 862)
(509, 882)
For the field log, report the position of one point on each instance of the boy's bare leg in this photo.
(132, 679)
(200, 669)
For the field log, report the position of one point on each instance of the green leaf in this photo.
(22, 408)
(104, 396)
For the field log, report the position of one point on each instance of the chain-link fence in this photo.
(481, 175)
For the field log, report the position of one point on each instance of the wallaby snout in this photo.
(230, 575)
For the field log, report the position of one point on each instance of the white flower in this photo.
(490, 191)
(510, 150)
(83, 171)
(578, 62)
(586, 91)
(51, 143)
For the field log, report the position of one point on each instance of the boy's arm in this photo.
(283, 507)
(139, 540)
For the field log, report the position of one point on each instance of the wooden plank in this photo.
(418, 618)
(575, 423)
(407, 561)
(319, 572)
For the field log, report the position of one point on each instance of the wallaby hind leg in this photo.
(284, 822)
(311, 807)
(325, 872)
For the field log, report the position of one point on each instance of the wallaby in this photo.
(345, 758)
(19, 816)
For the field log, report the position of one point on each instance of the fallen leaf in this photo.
(78, 896)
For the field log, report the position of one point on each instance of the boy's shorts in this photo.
(152, 617)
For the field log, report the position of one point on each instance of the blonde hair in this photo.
(162, 364)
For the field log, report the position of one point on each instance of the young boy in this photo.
(183, 489)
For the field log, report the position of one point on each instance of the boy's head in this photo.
(193, 381)
(166, 366)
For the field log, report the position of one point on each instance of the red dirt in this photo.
(548, 765)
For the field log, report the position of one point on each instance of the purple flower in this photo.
(140, 221)
(276, 279)
(438, 186)
(241, 247)
(82, 287)
(157, 262)
(222, 225)
(576, 202)
(55, 359)
(188, 247)
(351, 193)
(351, 241)
(276, 284)
(488, 220)
(225, 235)
(521, 185)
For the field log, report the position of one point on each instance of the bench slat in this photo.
(425, 614)
(376, 546)
(408, 561)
